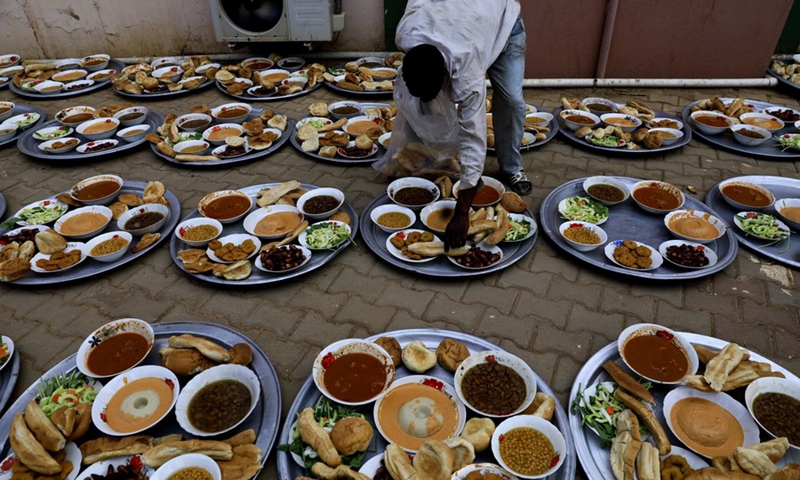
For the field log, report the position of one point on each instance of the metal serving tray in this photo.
(113, 63)
(8, 379)
(246, 97)
(20, 109)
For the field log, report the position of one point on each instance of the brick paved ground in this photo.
(547, 308)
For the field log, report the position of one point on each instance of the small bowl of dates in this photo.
(283, 258)
(688, 254)
(478, 257)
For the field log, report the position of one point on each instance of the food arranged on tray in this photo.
(537, 131)
(9, 67)
(632, 126)
(6, 351)
(365, 76)
(52, 436)
(344, 131)
(418, 396)
(165, 76)
(61, 77)
(228, 131)
(284, 213)
(260, 79)
(80, 227)
(789, 71)
(657, 388)
(16, 119)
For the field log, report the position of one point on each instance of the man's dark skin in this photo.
(426, 87)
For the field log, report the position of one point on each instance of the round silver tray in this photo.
(89, 267)
(2, 205)
(554, 128)
(338, 159)
(627, 221)
(30, 146)
(375, 238)
(769, 149)
(258, 277)
(8, 379)
(781, 187)
(353, 93)
(309, 394)
(246, 97)
(253, 155)
(622, 151)
(795, 87)
(20, 109)
(113, 63)
(264, 419)
(594, 458)
(148, 96)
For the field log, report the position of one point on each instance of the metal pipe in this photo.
(605, 42)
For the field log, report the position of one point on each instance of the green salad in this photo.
(584, 209)
(517, 229)
(327, 414)
(764, 226)
(53, 134)
(45, 212)
(788, 140)
(65, 391)
(327, 235)
(606, 141)
(600, 410)
(184, 136)
(317, 122)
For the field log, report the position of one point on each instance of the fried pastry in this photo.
(108, 447)
(49, 242)
(328, 152)
(130, 200)
(42, 428)
(754, 462)
(208, 348)
(29, 451)
(306, 131)
(161, 454)
(463, 451)
(184, 361)
(67, 198)
(418, 358)
(649, 420)
(13, 269)
(719, 367)
(278, 121)
(314, 435)
(434, 460)
(318, 109)
(269, 196)
(342, 472)
(144, 242)
(392, 347)
(253, 127)
(341, 216)
(244, 464)
(450, 353)
(397, 463)
(117, 210)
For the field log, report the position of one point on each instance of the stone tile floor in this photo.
(549, 309)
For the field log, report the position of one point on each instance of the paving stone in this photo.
(742, 286)
(495, 323)
(552, 339)
(583, 320)
(500, 298)
(402, 320)
(309, 330)
(402, 298)
(519, 278)
(683, 319)
(786, 318)
(356, 311)
(582, 293)
(743, 334)
(641, 307)
(554, 264)
(352, 282)
(444, 309)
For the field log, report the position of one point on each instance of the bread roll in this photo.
(43, 429)
(478, 432)
(463, 451)
(351, 435)
(30, 452)
(434, 461)
(450, 353)
(49, 242)
(418, 358)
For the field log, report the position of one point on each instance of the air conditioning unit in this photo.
(276, 20)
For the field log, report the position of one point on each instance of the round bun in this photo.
(233, 141)
(351, 435)
(450, 353)
(478, 432)
(363, 142)
(463, 451)
(513, 202)
(434, 461)
(418, 358)
(392, 347)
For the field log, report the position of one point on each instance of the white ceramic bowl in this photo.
(384, 73)
(104, 211)
(136, 116)
(67, 63)
(23, 120)
(669, 188)
(7, 131)
(401, 183)
(603, 180)
(371, 61)
(641, 329)
(111, 257)
(10, 110)
(299, 81)
(112, 123)
(492, 249)
(317, 192)
(676, 135)
(655, 257)
(275, 75)
(610, 118)
(345, 103)
(489, 182)
(191, 144)
(377, 212)
(164, 62)
(763, 120)
(429, 209)
(49, 87)
(595, 120)
(50, 204)
(11, 71)
(483, 469)
(181, 122)
(352, 121)
(743, 206)
(95, 66)
(134, 211)
(208, 131)
(134, 133)
(97, 178)
(220, 110)
(187, 461)
(52, 133)
(110, 329)
(385, 140)
(81, 247)
(223, 193)
(787, 203)
(343, 347)
(266, 63)
(708, 129)
(342, 151)
(787, 386)
(258, 214)
(77, 85)
(539, 119)
(302, 239)
(9, 60)
(194, 222)
(9, 351)
(502, 358)
(70, 75)
(750, 141)
(690, 215)
(102, 75)
(109, 141)
(306, 253)
(63, 116)
(590, 101)
(173, 73)
(238, 373)
(48, 146)
(291, 64)
(582, 247)
(537, 423)
(709, 254)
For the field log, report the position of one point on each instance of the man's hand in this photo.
(455, 235)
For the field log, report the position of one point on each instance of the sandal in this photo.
(520, 184)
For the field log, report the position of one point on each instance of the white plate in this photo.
(484, 247)
(342, 152)
(710, 255)
(73, 455)
(399, 254)
(70, 246)
(656, 257)
(101, 467)
(217, 152)
(304, 234)
(236, 239)
(50, 203)
(517, 217)
(739, 412)
(694, 460)
(371, 466)
(781, 225)
(83, 147)
(10, 350)
(305, 251)
(42, 134)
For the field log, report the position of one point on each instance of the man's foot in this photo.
(520, 184)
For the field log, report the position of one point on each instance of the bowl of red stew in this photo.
(353, 371)
(657, 197)
(495, 383)
(711, 123)
(488, 194)
(657, 353)
(97, 190)
(774, 403)
(115, 347)
(577, 119)
(225, 206)
(746, 195)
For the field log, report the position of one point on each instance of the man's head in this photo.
(424, 71)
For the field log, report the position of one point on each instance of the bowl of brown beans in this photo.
(413, 192)
(108, 247)
(583, 236)
(320, 203)
(774, 403)
(495, 383)
(283, 258)
(197, 232)
(528, 446)
(392, 218)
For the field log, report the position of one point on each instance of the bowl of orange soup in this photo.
(627, 123)
(789, 211)
(746, 195)
(225, 206)
(767, 122)
(232, 112)
(217, 134)
(273, 222)
(657, 197)
(657, 353)
(711, 123)
(97, 190)
(488, 194)
(98, 128)
(84, 222)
